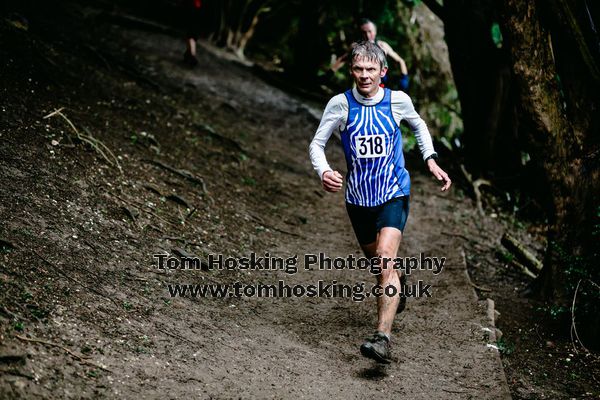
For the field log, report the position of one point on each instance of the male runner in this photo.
(377, 184)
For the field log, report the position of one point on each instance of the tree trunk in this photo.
(539, 95)
(238, 23)
(557, 121)
(482, 76)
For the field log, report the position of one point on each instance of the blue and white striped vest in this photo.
(372, 144)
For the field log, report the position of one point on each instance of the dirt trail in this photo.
(262, 196)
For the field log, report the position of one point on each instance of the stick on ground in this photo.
(68, 351)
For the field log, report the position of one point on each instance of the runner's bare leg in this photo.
(191, 43)
(386, 246)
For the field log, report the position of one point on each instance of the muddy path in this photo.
(86, 313)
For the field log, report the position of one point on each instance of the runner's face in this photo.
(368, 32)
(367, 75)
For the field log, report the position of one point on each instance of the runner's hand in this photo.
(332, 181)
(439, 174)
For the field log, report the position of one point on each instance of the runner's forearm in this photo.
(403, 109)
(333, 116)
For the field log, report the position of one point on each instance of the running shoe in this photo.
(377, 348)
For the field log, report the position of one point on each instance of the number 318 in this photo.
(370, 145)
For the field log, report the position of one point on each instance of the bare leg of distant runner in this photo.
(191, 46)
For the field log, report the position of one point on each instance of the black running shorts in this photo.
(368, 221)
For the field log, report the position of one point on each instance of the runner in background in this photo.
(192, 22)
(368, 30)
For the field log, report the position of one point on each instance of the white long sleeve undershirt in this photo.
(336, 112)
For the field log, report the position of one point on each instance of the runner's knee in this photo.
(386, 251)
